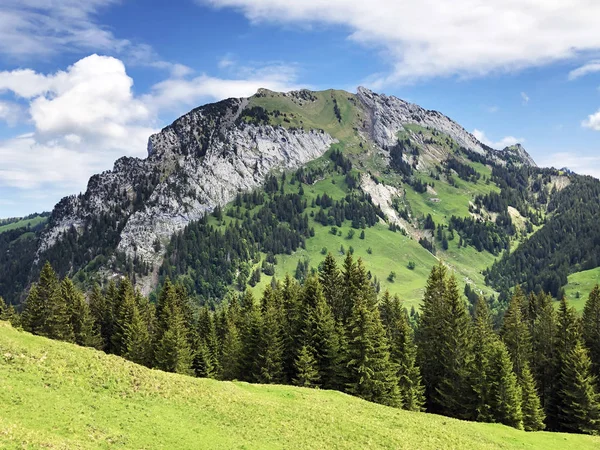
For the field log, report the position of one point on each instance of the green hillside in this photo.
(23, 223)
(58, 395)
(580, 285)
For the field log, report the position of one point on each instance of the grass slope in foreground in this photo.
(58, 395)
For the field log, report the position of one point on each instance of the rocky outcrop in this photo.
(200, 161)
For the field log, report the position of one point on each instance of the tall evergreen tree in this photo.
(580, 412)
(544, 350)
(102, 313)
(270, 346)
(591, 328)
(371, 371)
(430, 335)
(533, 413)
(34, 312)
(515, 332)
(124, 307)
(232, 345)
(250, 331)
(480, 371)
(291, 326)
(8, 313)
(504, 388)
(137, 343)
(403, 352)
(307, 373)
(329, 276)
(453, 392)
(80, 317)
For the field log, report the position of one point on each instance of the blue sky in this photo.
(82, 85)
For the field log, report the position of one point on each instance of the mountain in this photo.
(59, 395)
(417, 184)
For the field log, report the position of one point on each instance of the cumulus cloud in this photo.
(593, 121)
(506, 141)
(83, 119)
(590, 67)
(423, 38)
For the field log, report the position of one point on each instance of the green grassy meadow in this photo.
(23, 223)
(579, 286)
(60, 396)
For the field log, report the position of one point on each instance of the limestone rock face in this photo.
(389, 114)
(199, 162)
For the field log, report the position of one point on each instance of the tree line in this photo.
(537, 370)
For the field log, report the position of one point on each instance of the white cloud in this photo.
(506, 141)
(577, 162)
(593, 121)
(44, 28)
(590, 67)
(11, 113)
(175, 94)
(84, 118)
(525, 98)
(423, 38)
(226, 61)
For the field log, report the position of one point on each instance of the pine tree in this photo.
(329, 277)
(515, 332)
(250, 331)
(372, 375)
(567, 337)
(102, 314)
(504, 388)
(8, 313)
(533, 413)
(320, 334)
(291, 326)
(80, 318)
(232, 349)
(429, 335)
(403, 352)
(124, 307)
(137, 343)
(270, 347)
(580, 411)
(307, 374)
(349, 290)
(591, 328)
(483, 340)
(453, 393)
(544, 350)
(173, 352)
(207, 362)
(34, 313)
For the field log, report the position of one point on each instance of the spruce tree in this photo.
(403, 352)
(580, 412)
(34, 312)
(329, 277)
(173, 352)
(349, 290)
(430, 335)
(250, 330)
(56, 323)
(543, 360)
(206, 361)
(124, 307)
(504, 388)
(137, 343)
(591, 328)
(269, 363)
(80, 317)
(8, 313)
(232, 349)
(515, 332)
(479, 373)
(102, 314)
(307, 373)
(291, 326)
(533, 413)
(372, 375)
(567, 337)
(453, 393)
